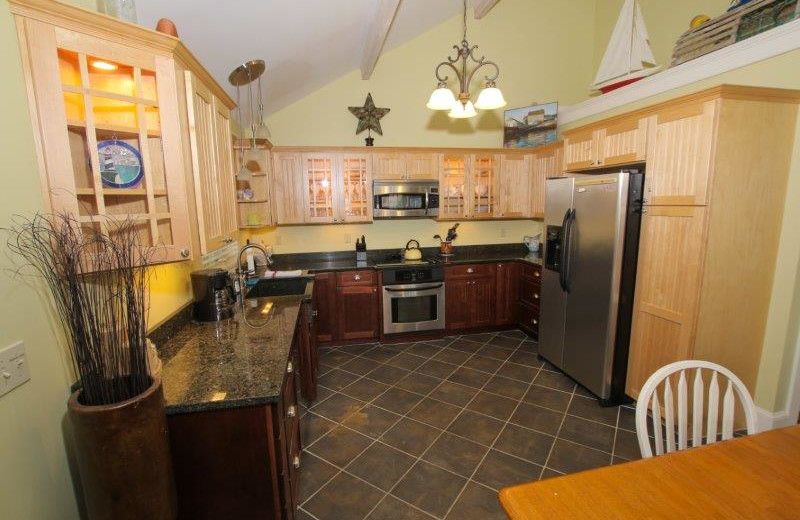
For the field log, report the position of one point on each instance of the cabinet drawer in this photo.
(529, 291)
(365, 277)
(470, 271)
(529, 318)
(531, 271)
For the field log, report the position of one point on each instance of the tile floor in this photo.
(434, 429)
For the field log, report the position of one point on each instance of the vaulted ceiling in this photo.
(305, 43)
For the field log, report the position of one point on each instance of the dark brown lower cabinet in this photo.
(239, 462)
(325, 306)
(470, 296)
(530, 283)
(306, 339)
(508, 274)
(358, 312)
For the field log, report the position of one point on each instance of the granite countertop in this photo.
(233, 363)
(346, 261)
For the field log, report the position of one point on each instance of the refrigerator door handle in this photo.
(562, 250)
(567, 249)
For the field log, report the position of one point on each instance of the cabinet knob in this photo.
(291, 411)
(470, 270)
(296, 461)
(185, 253)
(374, 289)
(537, 274)
(356, 277)
(315, 313)
(535, 321)
(289, 368)
(535, 296)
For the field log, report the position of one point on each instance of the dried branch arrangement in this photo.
(98, 282)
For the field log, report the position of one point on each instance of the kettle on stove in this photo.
(412, 253)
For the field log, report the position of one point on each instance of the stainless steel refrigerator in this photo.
(591, 246)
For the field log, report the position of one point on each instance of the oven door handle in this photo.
(408, 288)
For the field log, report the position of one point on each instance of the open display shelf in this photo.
(256, 212)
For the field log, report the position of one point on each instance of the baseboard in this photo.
(767, 420)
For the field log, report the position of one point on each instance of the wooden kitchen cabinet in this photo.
(514, 183)
(422, 166)
(288, 192)
(681, 154)
(389, 166)
(603, 145)
(413, 166)
(470, 296)
(546, 162)
(254, 467)
(321, 204)
(711, 228)
(212, 165)
(75, 106)
(529, 283)
(338, 187)
(507, 293)
(358, 310)
(468, 186)
(325, 314)
(308, 358)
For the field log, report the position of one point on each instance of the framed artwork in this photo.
(530, 126)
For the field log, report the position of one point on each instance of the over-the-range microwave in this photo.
(405, 199)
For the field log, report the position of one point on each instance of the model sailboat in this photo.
(628, 57)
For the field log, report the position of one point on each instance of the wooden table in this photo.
(749, 478)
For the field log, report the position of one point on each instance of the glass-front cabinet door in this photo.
(355, 187)
(318, 174)
(453, 180)
(110, 135)
(483, 186)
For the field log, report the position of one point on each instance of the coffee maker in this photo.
(214, 296)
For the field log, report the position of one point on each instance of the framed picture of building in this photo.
(530, 126)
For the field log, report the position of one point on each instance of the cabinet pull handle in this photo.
(185, 253)
(290, 368)
(315, 313)
(291, 411)
(296, 462)
(470, 270)
(356, 277)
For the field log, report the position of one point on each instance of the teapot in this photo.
(412, 253)
(532, 242)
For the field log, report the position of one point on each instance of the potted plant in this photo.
(98, 282)
(446, 244)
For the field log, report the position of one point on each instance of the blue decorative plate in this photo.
(120, 164)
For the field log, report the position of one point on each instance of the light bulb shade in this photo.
(441, 99)
(461, 111)
(244, 174)
(490, 98)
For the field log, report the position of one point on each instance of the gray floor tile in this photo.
(314, 426)
(454, 393)
(337, 407)
(589, 408)
(381, 465)
(397, 400)
(430, 488)
(493, 405)
(483, 364)
(391, 508)
(518, 372)
(476, 427)
(360, 366)
(337, 379)
(469, 377)
(436, 369)
(568, 457)
(314, 472)
(434, 413)
(365, 389)
(499, 470)
(477, 503)
(388, 374)
(406, 361)
(340, 446)
(526, 444)
(371, 421)
(627, 445)
(418, 383)
(548, 398)
(410, 436)
(588, 433)
(537, 418)
(344, 497)
(456, 454)
(506, 387)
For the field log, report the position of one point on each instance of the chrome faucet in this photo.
(244, 274)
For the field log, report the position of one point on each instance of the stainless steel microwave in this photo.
(405, 199)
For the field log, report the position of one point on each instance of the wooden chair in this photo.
(649, 398)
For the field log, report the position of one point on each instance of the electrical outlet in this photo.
(348, 238)
(502, 232)
(13, 367)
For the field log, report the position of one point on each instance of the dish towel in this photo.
(283, 274)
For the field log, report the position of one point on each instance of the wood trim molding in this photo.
(766, 45)
(483, 7)
(118, 31)
(407, 150)
(385, 11)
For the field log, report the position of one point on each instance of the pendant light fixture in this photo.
(443, 98)
(242, 75)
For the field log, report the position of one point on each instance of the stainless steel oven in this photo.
(405, 199)
(413, 299)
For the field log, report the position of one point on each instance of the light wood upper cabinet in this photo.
(483, 186)
(132, 112)
(321, 204)
(389, 166)
(288, 189)
(453, 186)
(212, 166)
(620, 142)
(680, 154)
(422, 166)
(354, 186)
(514, 183)
(546, 162)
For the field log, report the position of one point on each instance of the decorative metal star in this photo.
(369, 116)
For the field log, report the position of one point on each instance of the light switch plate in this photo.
(13, 367)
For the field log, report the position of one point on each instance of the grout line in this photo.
(491, 447)
(616, 432)
(558, 432)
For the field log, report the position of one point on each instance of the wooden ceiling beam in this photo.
(483, 7)
(378, 30)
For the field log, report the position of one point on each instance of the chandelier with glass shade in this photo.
(443, 98)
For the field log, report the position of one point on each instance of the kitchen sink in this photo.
(278, 287)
